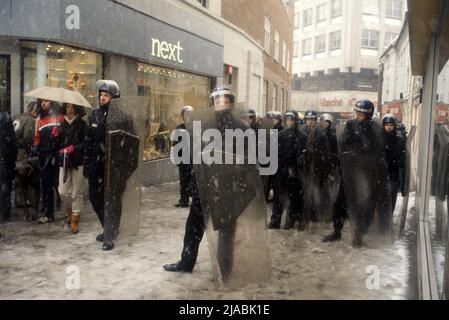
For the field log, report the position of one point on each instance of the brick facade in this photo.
(249, 15)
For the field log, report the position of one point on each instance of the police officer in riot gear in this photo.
(327, 122)
(222, 100)
(185, 169)
(276, 118)
(364, 186)
(310, 120)
(395, 153)
(287, 182)
(106, 118)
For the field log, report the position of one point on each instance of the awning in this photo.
(422, 20)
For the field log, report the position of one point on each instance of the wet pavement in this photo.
(44, 261)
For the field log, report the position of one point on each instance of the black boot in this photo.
(357, 241)
(177, 267)
(100, 238)
(182, 205)
(108, 246)
(334, 236)
(274, 225)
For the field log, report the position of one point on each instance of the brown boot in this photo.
(75, 222)
(68, 216)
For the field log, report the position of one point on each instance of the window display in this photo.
(56, 65)
(167, 91)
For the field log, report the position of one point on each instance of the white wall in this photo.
(248, 58)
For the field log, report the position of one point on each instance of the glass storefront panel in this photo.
(438, 207)
(56, 65)
(167, 91)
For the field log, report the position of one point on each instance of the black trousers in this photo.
(267, 182)
(185, 177)
(113, 212)
(287, 190)
(340, 211)
(6, 178)
(48, 175)
(194, 232)
(96, 197)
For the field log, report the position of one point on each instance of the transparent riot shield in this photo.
(367, 187)
(124, 148)
(319, 188)
(408, 161)
(232, 201)
(122, 188)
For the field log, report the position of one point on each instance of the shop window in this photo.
(166, 92)
(55, 65)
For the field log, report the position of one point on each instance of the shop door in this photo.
(5, 83)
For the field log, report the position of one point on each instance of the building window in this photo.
(282, 100)
(264, 95)
(267, 35)
(389, 38)
(320, 44)
(371, 7)
(276, 45)
(394, 9)
(203, 3)
(284, 54)
(164, 93)
(288, 60)
(297, 20)
(370, 39)
(274, 97)
(336, 8)
(307, 47)
(308, 17)
(296, 49)
(321, 13)
(60, 66)
(336, 40)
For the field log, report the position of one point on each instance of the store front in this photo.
(429, 56)
(159, 67)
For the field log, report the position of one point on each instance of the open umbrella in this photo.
(59, 95)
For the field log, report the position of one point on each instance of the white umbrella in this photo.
(59, 95)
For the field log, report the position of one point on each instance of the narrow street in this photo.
(35, 261)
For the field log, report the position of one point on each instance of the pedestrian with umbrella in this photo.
(47, 140)
(71, 179)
